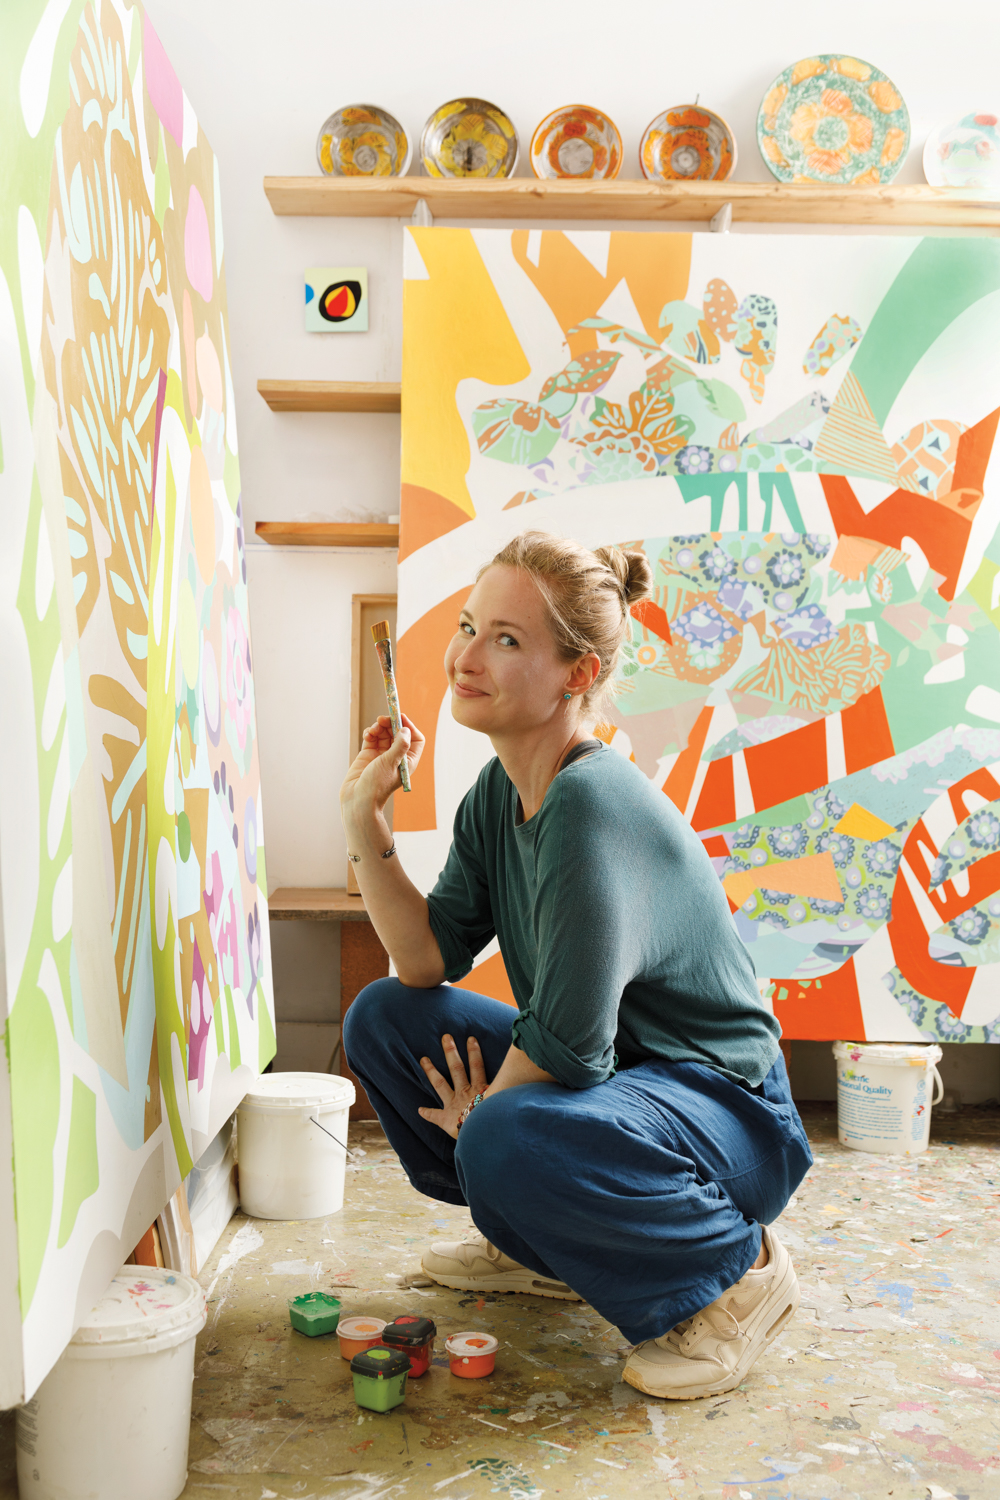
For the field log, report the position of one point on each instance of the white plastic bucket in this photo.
(884, 1095)
(112, 1418)
(291, 1132)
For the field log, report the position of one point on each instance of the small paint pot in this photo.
(472, 1355)
(358, 1334)
(380, 1378)
(314, 1313)
(414, 1336)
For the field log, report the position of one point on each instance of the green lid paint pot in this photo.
(413, 1336)
(472, 1355)
(380, 1378)
(314, 1313)
(358, 1334)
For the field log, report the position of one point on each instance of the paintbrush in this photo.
(380, 635)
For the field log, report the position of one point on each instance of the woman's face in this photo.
(503, 667)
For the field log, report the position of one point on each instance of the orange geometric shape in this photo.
(655, 268)
(788, 766)
(946, 983)
(653, 617)
(828, 1011)
(424, 516)
(980, 781)
(812, 875)
(854, 555)
(867, 736)
(422, 684)
(974, 449)
(859, 823)
(681, 779)
(717, 802)
(941, 533)
(489, 978)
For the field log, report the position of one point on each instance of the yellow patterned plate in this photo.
(833, 119)
(576, 142)
(362, 140)
(687, 144)
(469, 138)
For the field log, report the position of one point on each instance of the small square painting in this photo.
(337, 299)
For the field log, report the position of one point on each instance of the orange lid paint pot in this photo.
(472, 1355)
(358, 1334)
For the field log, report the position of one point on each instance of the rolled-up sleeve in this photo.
(458, 908)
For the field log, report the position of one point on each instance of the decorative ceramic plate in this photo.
(576, 141)
(833, 119)
(469, 138)
(965, 154)
(362, 140)
(687, 144)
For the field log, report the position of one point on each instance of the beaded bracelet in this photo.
(467, 1111)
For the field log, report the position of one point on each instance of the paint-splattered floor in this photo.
(886, 1384)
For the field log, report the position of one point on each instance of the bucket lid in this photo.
(902, 1054)
(472, 1345)
(278, 1091)
(408, 1328)
(143, 1302)
(360, 1327)
(382, 1364)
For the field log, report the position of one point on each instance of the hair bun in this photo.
(631, 569)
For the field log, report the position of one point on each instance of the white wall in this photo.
(264, 77)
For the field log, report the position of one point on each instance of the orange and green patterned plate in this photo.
(469, 138)
(833, 119)
(687, 144)
(362, 140)
(576, 142)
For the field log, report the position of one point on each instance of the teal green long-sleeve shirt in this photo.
(616, 933)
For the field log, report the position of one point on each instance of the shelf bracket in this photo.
(422, 216)
(720, 222)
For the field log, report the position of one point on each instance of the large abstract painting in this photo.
(138, 1000)
(799, 432)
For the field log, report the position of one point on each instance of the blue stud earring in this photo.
(567, 695)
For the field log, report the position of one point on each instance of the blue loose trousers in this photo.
(645, 1194)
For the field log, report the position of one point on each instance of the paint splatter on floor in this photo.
(887, 1384)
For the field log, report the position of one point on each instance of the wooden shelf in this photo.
(527, 198)
(328, 534)
(330, 395)
(298, 903)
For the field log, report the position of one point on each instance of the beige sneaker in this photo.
(713, 1351)
(474, 1265)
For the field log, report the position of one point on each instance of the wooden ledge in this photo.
(330, 395)
(623, 199)
(291, 903)
(328, 534)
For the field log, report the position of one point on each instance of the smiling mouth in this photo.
(469, 692)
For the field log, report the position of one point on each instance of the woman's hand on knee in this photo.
(463, 1089)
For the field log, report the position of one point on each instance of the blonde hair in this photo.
(588, 596)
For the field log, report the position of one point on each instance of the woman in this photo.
(622, 1138)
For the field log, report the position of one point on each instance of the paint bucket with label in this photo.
(292, 1139)
(472, 1355)
(113, 1416)
(884, 1095)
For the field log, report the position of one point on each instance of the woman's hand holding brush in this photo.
(375, 775)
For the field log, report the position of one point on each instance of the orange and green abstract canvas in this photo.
(136, 981)
(800, 434)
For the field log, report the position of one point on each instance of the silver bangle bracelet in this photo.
(356, 858)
